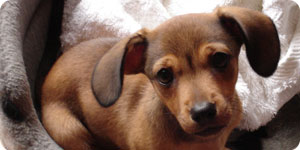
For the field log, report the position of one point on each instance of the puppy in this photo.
(171, 88)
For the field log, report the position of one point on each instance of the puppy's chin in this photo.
(204, 132)
(210, 132)
(207, 133)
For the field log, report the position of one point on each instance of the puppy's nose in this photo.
(203, 112)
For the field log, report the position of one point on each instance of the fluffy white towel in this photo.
(298, 147)
(261, 97)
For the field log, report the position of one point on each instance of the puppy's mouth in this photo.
(210, 131)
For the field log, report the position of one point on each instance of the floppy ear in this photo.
(126, 57)
(258, 33)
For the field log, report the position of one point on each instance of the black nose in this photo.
(203, 112)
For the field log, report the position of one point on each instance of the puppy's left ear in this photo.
(126, 57)
(258, 33)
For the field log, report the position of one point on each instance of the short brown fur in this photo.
(147, 115)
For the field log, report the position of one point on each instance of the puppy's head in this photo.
(192, 63)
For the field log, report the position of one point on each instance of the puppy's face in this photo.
(193, 69)
(192, 63)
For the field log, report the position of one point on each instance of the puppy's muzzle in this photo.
(203, 112)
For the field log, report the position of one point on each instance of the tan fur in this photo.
(147, 116)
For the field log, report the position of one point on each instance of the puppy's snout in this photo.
(203, 112)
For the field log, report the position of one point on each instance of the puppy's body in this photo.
(148, 114)
(77, 118)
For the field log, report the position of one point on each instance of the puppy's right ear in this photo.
(126, 57)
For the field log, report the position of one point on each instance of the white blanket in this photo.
(261, 97)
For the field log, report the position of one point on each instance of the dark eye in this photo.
(220, 60)
(165, 76)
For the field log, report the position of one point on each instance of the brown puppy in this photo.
(172, 88)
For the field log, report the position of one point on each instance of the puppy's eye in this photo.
(165, 76)
(220, 60)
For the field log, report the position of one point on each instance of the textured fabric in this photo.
(1, 144)
(23, 28)
(297, 148)
(2, 2)
(261, 97)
